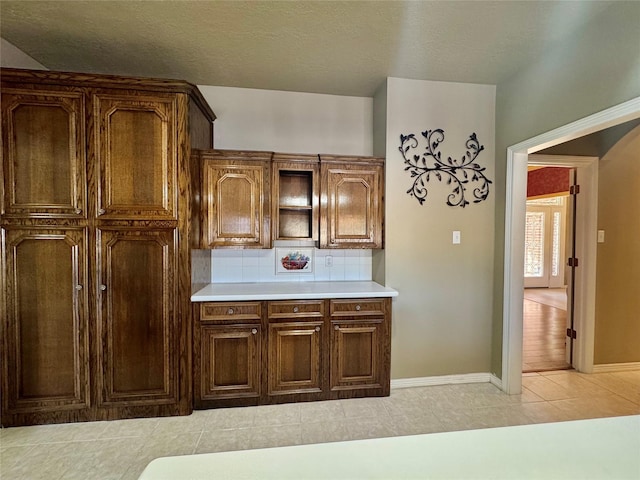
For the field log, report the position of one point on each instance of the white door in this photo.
(544, 245)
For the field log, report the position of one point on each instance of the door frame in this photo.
(515, 208)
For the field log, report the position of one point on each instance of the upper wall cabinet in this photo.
(236, 199)
(252, 198)
(295, 193)
(351, 203)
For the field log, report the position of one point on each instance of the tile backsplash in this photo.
(248, 265)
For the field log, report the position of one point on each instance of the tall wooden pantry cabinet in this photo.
(98, 218)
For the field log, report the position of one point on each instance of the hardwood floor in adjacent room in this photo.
(544, 329)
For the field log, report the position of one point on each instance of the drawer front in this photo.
(231, 311)
(295, 309)
(357, 307)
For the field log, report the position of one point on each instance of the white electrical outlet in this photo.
(328, 261)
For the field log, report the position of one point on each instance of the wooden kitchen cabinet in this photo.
(46, 363)
(228, 354)
(98, 189)
(137, 358)
(267, 352)
(296, 347)
(252, 198)
(43, 151)
(360, 346)
(237, 202)
(136, 155)
(352, 202)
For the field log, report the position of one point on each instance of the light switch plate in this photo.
(600, 236)
(456, 237)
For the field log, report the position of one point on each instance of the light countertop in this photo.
(601, 448)
(217, 292)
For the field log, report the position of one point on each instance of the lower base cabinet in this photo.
(253, 353)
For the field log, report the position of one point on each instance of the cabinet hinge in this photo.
(572, 262)
(571, 333)
(574, 189)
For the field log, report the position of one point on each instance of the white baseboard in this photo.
(446, 380)
(613, 367)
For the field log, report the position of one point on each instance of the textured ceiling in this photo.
(337, 47)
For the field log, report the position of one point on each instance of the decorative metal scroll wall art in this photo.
(460, 174)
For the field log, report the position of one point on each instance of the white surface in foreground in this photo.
(604, 448)
(217, 292)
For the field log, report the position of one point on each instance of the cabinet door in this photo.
(43, 153)
(137, 322)
(135, 148)
(357, 355)
(237, 206)
(229, 361)
(45, 359)
(295, 357)
(351, 206)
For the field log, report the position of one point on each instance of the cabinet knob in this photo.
(357, 308)
(230, 311)
(295, 309)
(254, 330)
(78, 211)
(336, 328)
(103, 287)
(317, 329)
(101, 211)
(78, 287)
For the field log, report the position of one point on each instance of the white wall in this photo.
(290, 122)
(12, 57)
(442, 318)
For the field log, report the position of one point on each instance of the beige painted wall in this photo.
(617, 335)
(442, 316)
(597, 68)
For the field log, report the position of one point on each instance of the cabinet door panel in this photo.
(44, 153)
(137, 318)
(356, 360)
(230, 361)
(46, 348)
(351, 213)
(136, 156)
(295, 358)
(235, 205)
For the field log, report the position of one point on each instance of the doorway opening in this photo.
(544, 309)
(516, 182)
(548, 242)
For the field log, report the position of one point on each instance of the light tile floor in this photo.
(121, 449)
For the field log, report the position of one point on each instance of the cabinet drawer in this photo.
(357, 307)
(294, 309)
(231, 311)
